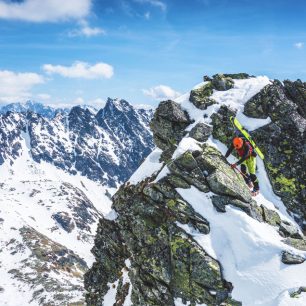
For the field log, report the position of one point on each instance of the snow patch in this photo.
(248, 250)
(148, 167)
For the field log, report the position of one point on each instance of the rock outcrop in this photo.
(151, 240)
(283, 141)
(166, 263)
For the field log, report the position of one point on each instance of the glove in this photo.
(233, 166)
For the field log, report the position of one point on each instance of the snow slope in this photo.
(249, 251)
(31, 196)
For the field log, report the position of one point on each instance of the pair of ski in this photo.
(237, 125)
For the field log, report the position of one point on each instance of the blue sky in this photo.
(83, 51)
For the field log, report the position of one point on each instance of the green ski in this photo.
(238, 125)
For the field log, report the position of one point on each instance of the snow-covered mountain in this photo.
(106, 146)
(188, 231)
(56, 179)
(35, 107)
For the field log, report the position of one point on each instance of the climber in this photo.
(247, 161)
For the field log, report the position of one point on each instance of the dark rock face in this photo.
(291, 259)
(201, 132)
(168, 126)
(83, 142)
(200, 97)
(222, 126)
(64, 220)
(296, 91)
(283, 142)
(237, 76)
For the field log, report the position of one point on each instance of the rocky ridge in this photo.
(155, 238)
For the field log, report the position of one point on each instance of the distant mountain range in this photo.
(105, 146)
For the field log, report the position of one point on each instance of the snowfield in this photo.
(31, 193)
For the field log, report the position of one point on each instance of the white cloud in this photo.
(299, 45)
(156, 3)
(78, 101)
(81, 70)
(16, 87)
(161, 92)
(45, 10)
(44, 97)
(86, 30)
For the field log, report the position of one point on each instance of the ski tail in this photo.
(244, 132)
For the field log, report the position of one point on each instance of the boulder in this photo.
(200, 97)
(289, 230)
(222, 82)
(223, 129)
(168, 126)
(291, 259)
(201, 132)
(271, 216)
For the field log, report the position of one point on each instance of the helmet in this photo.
(238, 142)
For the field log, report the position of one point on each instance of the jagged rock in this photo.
(193, 177)
(111, 252)
(282, 142)
(200, 97)
(299, 244)
(237, 76)
(222, 127)
(271, 216)
(177, 182)
(221, 178)
(251, 208)
(168, 126)
(291, 259)
(222, 184)
(296, 91)
(201, 132)
(289, 230)
(64, 220)
(165, 261)
(296, 293)
(221, 82)
(186, 214)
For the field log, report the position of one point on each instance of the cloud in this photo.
(161, 92)
(81, 70)
(299, 45)
(15, 87)
(78, 101)
(157, 3)
(46, 10)
(86, 30)
(44, 97)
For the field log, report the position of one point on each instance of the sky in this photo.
(63, 52)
